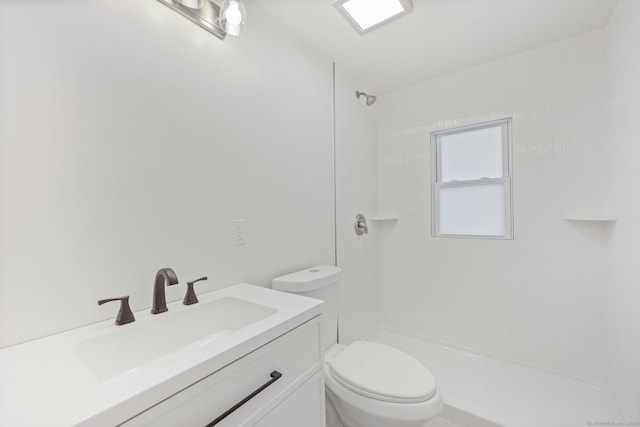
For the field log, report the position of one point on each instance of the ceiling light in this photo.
(367, 15)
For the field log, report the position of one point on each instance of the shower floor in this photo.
(481, 391)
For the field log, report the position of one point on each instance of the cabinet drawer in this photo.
(296, 355)
(304, 408)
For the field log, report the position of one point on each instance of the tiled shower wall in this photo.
(356, 192)
(623, 157)
(537, 299)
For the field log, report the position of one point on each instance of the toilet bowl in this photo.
(369, 384)
(374, 385)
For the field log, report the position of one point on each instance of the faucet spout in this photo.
(164, 276)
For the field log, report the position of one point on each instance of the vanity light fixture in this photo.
(367, 15)
(229, 17)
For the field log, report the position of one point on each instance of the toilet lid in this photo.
(383, 373)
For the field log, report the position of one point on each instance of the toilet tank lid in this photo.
(308, 279)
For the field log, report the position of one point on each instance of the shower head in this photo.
(370, 98)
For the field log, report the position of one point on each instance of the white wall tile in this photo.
(356, 192)
(531, 299)
(622, 91)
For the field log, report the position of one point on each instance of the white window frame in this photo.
(437, 184)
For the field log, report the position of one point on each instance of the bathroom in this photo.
(131, 139)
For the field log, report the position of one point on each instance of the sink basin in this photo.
(130, 347)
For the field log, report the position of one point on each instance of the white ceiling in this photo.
(439, 37)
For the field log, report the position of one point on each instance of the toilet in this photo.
(367, 383)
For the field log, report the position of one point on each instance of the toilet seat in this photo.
(383, 373)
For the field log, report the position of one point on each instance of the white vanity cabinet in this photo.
(294, 399)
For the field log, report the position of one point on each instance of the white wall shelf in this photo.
(590, 218)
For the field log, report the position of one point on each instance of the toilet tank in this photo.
(321, 282)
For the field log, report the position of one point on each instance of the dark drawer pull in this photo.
(275, 376)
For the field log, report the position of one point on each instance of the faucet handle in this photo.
(190, 297)
(124, 315)
(360, 225)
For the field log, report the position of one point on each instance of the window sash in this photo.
(504, 123)
(508, 226)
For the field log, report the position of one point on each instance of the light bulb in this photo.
(233, 18)
(233, 15)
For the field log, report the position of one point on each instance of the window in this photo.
(471, 181)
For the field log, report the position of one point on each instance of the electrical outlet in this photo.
(239, 232)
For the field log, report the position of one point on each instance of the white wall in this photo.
(356, 192)
(537, 299)
(130, 139)
(623, 157)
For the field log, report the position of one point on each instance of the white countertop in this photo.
(45, 383)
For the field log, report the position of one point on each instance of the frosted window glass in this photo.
(472, 155)
(475, 210)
